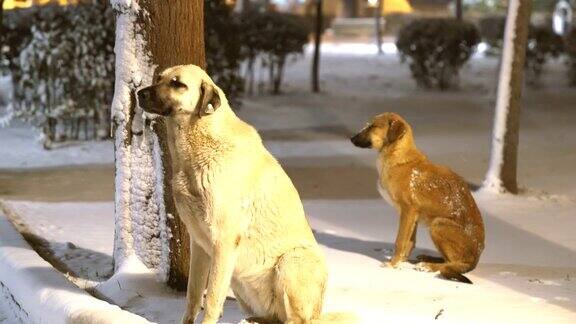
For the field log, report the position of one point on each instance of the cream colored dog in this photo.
(244, 216)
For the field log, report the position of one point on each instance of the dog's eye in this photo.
(175, 83)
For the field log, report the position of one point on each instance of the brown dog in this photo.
(423, 191)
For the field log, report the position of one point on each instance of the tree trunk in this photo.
(146, 221)
(378, 25)
(242, 5)
(1, 16)
(501, 174)
(350, 8)
(317, 41)
(459, 10)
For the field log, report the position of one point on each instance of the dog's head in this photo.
(382, 131)
(184, 89)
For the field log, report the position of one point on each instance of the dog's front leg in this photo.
(223, 262)
(197, 277)
(406, 237)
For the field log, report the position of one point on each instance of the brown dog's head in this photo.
(184, 89)
(382, 131)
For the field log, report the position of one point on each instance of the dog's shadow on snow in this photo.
(378, 250)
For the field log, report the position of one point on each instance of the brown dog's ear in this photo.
(396, 129)
(209, 100)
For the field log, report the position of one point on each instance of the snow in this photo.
(59, 224)
(20, 149)
(388, 47)
(139, 202)
(527, 272)
(40, 294)
(10, 312)
(6, 90)
(353, 48)
(357, 236)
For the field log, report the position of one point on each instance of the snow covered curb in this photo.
(41, 293)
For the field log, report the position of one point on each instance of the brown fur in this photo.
(423, 191)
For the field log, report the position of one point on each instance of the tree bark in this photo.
(175, 35)
(1, 15)
(378, 25)
(151, 36)
(350, 8)
(317, 42)
(245, 5)
(459, 11)
(502, 172)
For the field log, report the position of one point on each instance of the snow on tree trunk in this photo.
(150, 37)
(139, 208)
(501, 175)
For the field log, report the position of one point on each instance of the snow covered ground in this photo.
(527, 272)
(19, 149)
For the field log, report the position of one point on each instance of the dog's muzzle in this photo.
(360, 140)
(146, 100)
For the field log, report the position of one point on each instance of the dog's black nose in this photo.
(143, 95)
(359, 141)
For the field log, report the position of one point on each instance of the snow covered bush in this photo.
(571, 53)
(273, 37)
(15, 35)
(65, 74)
(223, 47)
(542, 45)
(6, 52)
(436, 49)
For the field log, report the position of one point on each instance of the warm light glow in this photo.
(13, 4)
(396, 6)
(392, 6)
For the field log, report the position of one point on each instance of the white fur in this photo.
(245, 218)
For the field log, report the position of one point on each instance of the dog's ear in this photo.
(396, 129)
(209, 100)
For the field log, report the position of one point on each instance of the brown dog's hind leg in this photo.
(456, 246)
(430, 259)
(448, 270)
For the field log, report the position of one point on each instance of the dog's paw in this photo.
(426, 267)
(421, 267)
(209, 321)
(395, 262)
(187, 319)
(190, 315)
(390, 264)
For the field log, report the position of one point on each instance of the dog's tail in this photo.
(451, 273)
(337, 318)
